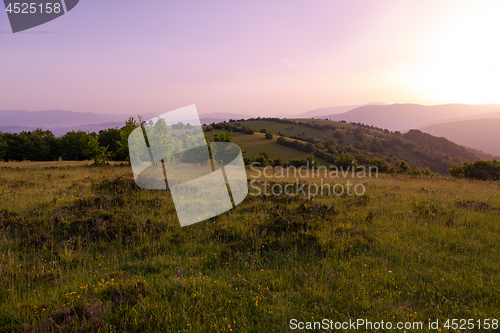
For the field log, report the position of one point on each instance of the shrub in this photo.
(479, 169)
(381, 164)
(345, 160)
(403, 167)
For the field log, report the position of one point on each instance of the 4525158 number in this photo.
(32, 8)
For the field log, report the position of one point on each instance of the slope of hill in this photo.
(403, 117)
(254, 144)
(440, 144)
(322, 112)
(482, 134)
(327, 139)
(488, 115)
(218, 117)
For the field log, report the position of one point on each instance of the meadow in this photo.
(254, 144)
(82, 249)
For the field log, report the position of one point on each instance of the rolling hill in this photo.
(218, 117)
(489, 115)
(254, 144)
(482, 134)
(329, 138)
(320, 113)
(403, 117)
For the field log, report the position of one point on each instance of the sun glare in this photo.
(463, 62)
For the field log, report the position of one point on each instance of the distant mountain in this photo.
(475, 116)
(482, 134)
(403, 117)
(16, 129)
(444, 145)
(218, 117)
(60, 131)
(60, 121)
(322, 112)
(58, 118)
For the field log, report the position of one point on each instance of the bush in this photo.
(479, 169)
(381, 164)
(345, 160)
(403, 167)
(96, 152)
(223, 137)
(269, 135)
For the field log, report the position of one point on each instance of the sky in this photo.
(252, 57)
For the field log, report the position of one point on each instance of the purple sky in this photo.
(251, 57)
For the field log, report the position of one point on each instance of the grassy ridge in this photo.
(256, 143)
(81, 248)
(418, 149)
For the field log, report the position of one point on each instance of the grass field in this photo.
(83, 249)
(293, 130)
(256, 143)
(344, 139)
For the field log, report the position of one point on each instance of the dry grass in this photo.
(82, 249)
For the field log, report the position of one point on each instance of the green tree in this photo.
(122, 152)
(403, 167)
(456, 171)
(110, 138)
(310, 147)
(73, 145)
(269, 135)
(277, 162)
(479, 169)
(358, 134)
(223, 137)
(265, 154)
(34, 147)
(345, 160)
(12, 147)
(96, 152)
(3, 147)
(311, 161)
(381, 164)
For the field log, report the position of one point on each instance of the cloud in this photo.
(289, 63)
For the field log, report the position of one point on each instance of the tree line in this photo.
(479, 169)
(40, 145)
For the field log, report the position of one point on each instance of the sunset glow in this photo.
(254, 57)
(463, 59)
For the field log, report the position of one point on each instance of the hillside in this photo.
(482, 134)
(254, 144)
(327, 139)
(321, 112)
(488, 115)
(218, 117)
(403, 117)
